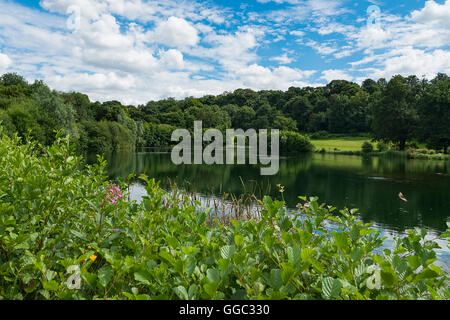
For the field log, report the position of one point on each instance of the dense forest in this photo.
(400, 110)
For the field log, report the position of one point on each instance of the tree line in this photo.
(400, 110)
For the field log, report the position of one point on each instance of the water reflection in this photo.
(371, 184)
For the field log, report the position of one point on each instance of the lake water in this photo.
(371, 184)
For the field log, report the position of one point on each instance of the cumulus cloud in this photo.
(5, 62)
(172, 58)
(135, 50)
(283, 59)
(433, 13)
(175, 32)
(409, 61)
(334, 74)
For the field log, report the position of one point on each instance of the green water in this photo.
(371, 184)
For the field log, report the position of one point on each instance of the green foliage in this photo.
(103, 137)
(284, 123)
(367, 147)
(434, 111)
(23, 118)
(319, 135)
(58, 223)
(157, 135)
(7, 123)
(294, 142)
(382, 146)
(399, 111)
(395, 113)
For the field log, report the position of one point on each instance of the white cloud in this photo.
(297, 33)
(410, 61)
(175, 32)
(321, 48)
(136, 50)
(5, 62)
(433, 13)
(104, 32)
(231, 51)
(173, 59)
(259, 77)
(334, 74)
(283, 59)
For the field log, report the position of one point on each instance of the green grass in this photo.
(342, 144)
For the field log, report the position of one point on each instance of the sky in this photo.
(135, 51)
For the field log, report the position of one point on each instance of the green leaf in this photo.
(388, 278)
(189, 250)
(50, 285)
(307, 253)
(294, 255)
(239, 240)
(105, 275)
(181, 292)
(413, 261)
(276, 279)
(142, 276)
(331, 288)
(356, 254)
(227, 252)
(341, 240)
(201, 217)
(79, 234)
(213, 275)
(211, 288)
(173, 242)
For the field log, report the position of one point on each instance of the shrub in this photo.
(319, 135)
(66, 233)
(382, 146)
(294, 142)
(367, 147)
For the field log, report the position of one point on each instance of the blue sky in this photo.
(136, 50)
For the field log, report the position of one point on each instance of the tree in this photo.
(395, 114)
(434, 112)
(243, 118)
(284, 123)
(13, 79)
(299, 108)
(24, 121)
(80, 104)
(57, 114)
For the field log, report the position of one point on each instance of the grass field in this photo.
(342, 144)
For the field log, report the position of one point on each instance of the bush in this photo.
(319, 135)
(367, 147)
(67, 233)
(382, 146)
(294, 142)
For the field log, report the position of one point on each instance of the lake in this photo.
(371, 184)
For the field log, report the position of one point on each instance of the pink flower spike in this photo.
(306, 205)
